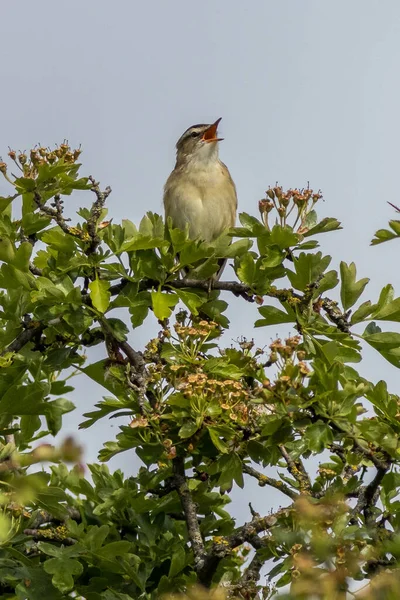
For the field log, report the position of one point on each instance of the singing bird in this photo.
(200, 190)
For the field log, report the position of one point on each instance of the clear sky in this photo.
(308, 91)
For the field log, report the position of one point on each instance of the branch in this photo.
(56, 213)
(297, 470)
(367, 452)
(341, 320)
(24, 337)
(135, 358)
(264, 480)
(138, 379)
(189, 509)
(50, 534)
(373, 486)
(35, 270)
(248, 581)
(246, 533)
(349, 470)
(379, 464)
(235, 287)
(43, 517)
(368, 495)
(95, 214)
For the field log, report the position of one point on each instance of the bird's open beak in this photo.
(210, 134)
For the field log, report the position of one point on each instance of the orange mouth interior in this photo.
(210, 134)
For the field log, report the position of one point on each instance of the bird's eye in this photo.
(195, 134)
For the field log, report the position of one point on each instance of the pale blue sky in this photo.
(308, 91)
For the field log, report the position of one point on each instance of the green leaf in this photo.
(188, 429)
(5, 204)
(12, 278)
(139, 308)
(395, 225)
(247, 269)
(274, 316)
(205, 269)
(119, 329)
(284, 580)
(194, 251)
(163, 303)
(100, 294)
(114, 549)
(22, 256)
(283, 237)
(362, 312)
(98, 372)
(192, 300)
(372, 328)
(214, 310)
(327, 224)
(33, 222)
(329, 281)
(7, 250)
(237, 248)
(220, 368)
(25, 184)
(58, 240)
(53, 499)
(351, 289)
(253, 225)
(217, 432)
(383, 340)
(25, 399)
(310, 221)
(229, 467)
(142, 242)
(309, 268)
(36, 584)
(63, 570)
(386, 296)
(178, 561)
(388, 312)
(318, 436)
(387, 344)
(383, 235)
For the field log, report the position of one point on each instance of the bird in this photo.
(200, 191)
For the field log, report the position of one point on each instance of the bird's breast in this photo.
(205, 199)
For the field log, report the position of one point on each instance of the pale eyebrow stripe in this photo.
(194, 128)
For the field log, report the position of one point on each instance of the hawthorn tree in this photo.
(201, 417)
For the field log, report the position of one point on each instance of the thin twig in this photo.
(55, 213)
(190, 512)
(367, 452)
(297, 470)
(265, 480)
(235, 287)
(246, 532)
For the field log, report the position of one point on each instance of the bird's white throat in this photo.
(204, 157)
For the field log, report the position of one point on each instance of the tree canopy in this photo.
(202, 416)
